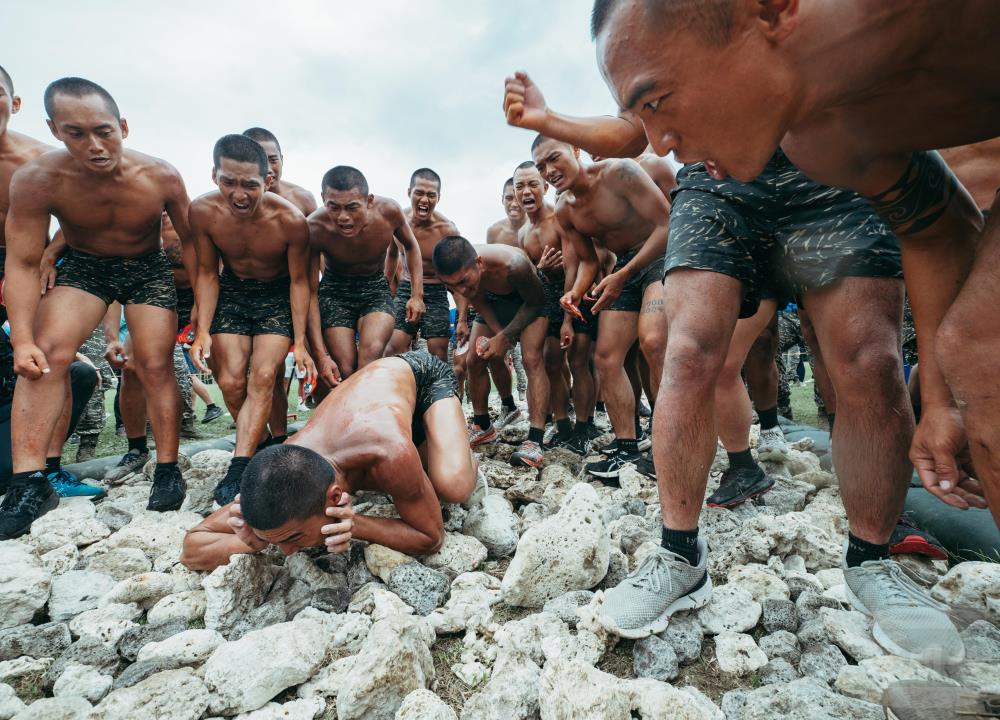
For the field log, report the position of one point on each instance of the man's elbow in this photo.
(193, 558)
(430, 544)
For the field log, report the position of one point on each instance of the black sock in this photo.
(236, 467)
(277, 440)
(536, 435)
(681, 542)
(581, 427)
(768, 418)
(830, 417)
(52, 464)
(600, 407)
(483, 421)
(25, 479)
(138, 443)
(859, 551)
(564, 427)
(166, 465)
(548, 418)
(508, 403)
(210, 406)
(590, 420)
(638, 428)
(628, 446)
(742, 459)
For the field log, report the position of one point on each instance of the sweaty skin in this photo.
(108, 201)
(364, 431)
(16, 149)
(357, 235)
(857, 93)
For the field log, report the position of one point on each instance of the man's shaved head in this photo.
(262, 135)
(7, 82)
(77, 87)
(426, 174)
(282, 483)
(711, 18)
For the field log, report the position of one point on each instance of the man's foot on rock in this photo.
(212, 412)
(908, 622)
(577, 443)
(907, 538)
(739, 485)
(665, 583)
(529, 454)
(478, 436)
(507, 417)
(66, 484)
(773, 446)
(168, 490)
(24, 503)
(611, 465)
(930, 700)
(131, 462)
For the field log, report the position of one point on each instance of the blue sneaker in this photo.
(66, 484)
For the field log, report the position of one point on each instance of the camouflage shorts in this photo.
(554, 290)
(437, 317)
(252, 307)
(345, 299)
(435, 381)
(780, 233)
(144, 280)
(185, 303)
(631, 298)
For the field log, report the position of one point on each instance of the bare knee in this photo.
(692, 363)
(653, 345)
(866, 372)
(262, 379)
(533, 359)
(231, 384)
(457, 486)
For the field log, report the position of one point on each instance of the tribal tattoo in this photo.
(920, 197)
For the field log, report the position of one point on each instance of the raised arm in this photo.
(605, 136)
(635, 186)
(206, 285)
(27, 230)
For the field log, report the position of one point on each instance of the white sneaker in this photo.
(772, 445)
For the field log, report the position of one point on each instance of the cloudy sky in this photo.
(384, 85)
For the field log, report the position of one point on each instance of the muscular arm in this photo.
(629, 179)
(26, 230)
(299, 275)
(206, 283)
(420, 528)
(587, 265)
(414, 262)
(177, 206)
(523, 277)
(212, 542)
(315, 325)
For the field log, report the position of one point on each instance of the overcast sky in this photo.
(384, 85)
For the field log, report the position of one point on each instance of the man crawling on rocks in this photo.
(392, 428)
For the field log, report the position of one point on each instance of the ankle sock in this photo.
(236, 467)
(483, 421)
(768, 418)
(138, 443)
(681, 542)
(52, 464)
(741, 459)
(536, 435)
(508, 403)
(581, 427)
(638, 427)
(600, 407)
(629, 446)
(24, 479)
(564, 427)
(277, 440)
(859, 551)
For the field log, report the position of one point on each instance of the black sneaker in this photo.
(577, 443)
(229, 487)
(593, 432)
(609, 467)
(212, 413)
(643, 441)
(644, 411)
(739, 485)
(907, 538)
(168, 490)
(25, 503)
(645, 465)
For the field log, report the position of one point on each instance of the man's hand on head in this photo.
(338, 533)
(242, 530)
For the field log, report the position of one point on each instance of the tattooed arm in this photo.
(937, 223)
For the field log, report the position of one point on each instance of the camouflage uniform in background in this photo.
(184, 385)
(91, 423)
(909, 336)
(789, 336)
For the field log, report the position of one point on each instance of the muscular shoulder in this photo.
(444, 226)
(204, 206)
(620, 170)
(494, 231)
(304, 200)
(390, 210)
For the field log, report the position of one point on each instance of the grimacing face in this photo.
(296, 534)
(529, 188)
(466, 281)
(727, 105)
(241, 184)
(274, 159)
(424, 197)
(510, 207)
(89, 130)
(558, 163)
(348, 208)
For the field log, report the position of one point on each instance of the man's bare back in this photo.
(361, 254)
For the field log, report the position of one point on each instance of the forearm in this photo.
(586, 273)
(315, 328)
(394, 534)
(414, 264)
(300, 299)
(205, 551)
(605, 136)
(207, 295)
(21, 296)
(112, 322)
(525, 315)
(654, 248)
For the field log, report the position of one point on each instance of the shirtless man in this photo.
(883, 101)
(108, 202)
(616, 204)
(503, 287)
(353, 232)
(302, 199)
(504, 231)
(404, 447)
(542, 240)
(250, 314)
(428, 226)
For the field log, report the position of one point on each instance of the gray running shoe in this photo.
(641, 605)
(908, 622)
(506, 418)
(131, 462)
(929, 700)
(773, 445)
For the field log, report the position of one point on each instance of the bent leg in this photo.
(618, 330)
(762, 366)
(267, 355)
(451, 466)
(230, 359)
(533, 354)
(374, 331)
(343, 349)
